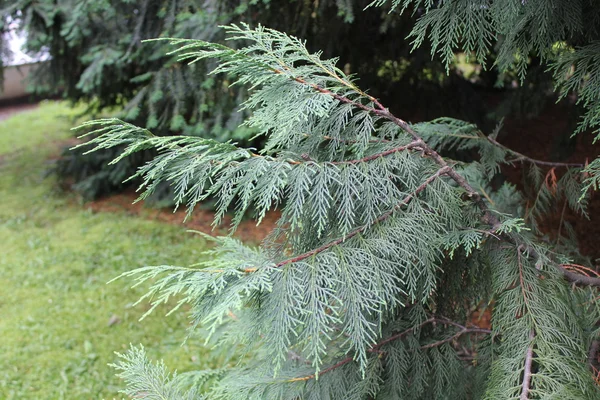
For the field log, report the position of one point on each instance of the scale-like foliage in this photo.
(381, 249)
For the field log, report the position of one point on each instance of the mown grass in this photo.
(60, 322)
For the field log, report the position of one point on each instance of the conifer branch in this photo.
(521, 277)
(382, 111)
(375, 348)
(488, 217)
(459, 179)
(360, 286)
(412, 145)
(579, 279)
(525, 387)
(523, 157)
(382, 217)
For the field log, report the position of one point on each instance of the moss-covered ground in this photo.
(60, 322)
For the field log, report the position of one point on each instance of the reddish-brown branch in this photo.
(458, 334)
(523, 157)
(361, 229)
(375, 348)
(579, 279)
(372, 157)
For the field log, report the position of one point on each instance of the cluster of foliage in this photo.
(384, 246)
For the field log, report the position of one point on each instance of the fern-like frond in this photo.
(151, 381)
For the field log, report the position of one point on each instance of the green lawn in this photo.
(57, 313)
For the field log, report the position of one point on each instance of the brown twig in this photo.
(403, 333)
(462, 331)
(375, 348)
(458, 334)
(523, 157)
(372, 157)
(579, 279)
(587, 271)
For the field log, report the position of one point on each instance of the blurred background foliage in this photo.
(98, 59)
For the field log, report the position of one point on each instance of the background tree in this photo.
(384, 246)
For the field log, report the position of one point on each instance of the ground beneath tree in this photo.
(9, 110)
(201, 220)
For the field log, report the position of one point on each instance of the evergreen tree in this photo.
(384, 245)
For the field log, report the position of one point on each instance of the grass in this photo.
(60, 322)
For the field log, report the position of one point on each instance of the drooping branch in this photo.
(381, 218)
(376, 348)
(526, 384)
(488, 217)
(523, 157)
(579, 279)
